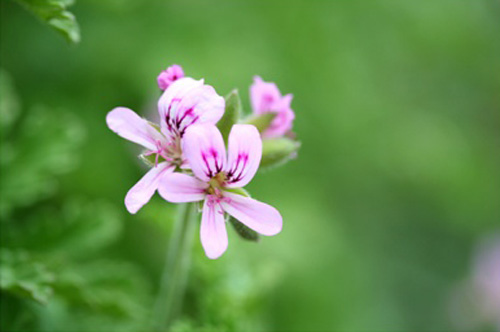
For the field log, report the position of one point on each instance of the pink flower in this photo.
(266, 98)
(474, 303)
(486, 278)
(214, 177)
(186, 102)
(169, 76)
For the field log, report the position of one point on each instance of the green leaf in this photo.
(101, 284)
(24, 277)
(44, 145)
(243, 231)
(76, 229)
(54, 13)
(101, 295)
(278, 151)
(262, 122)
(231, 115)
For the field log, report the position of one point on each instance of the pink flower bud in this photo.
(170, 75)
(266, 98)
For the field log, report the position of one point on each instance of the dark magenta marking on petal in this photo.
(194, 120)
(242, 160)
(168, 118)
(188, 112)
(214, 153)
(183, 130)
(205, 160)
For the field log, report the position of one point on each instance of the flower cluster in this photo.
(189, 159)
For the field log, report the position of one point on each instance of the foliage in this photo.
(54, 13)
(51, 250)
(23, 276)
(226, 298)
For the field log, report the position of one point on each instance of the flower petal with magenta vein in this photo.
(244, 154)
(203, 147)
(186, 102)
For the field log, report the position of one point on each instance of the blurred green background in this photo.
(398, 110)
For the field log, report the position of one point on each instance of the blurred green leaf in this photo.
(22, 276)
(45, 145)
(101, 295)
(76, 229)
(262, 122)
(231, 115)
(228, 296)
(102, 284)
(54, 13)
(278, 151)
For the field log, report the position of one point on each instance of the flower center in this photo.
(216, 184)
(215, 201)
(170, 152)
(214, 191)
(173, 152)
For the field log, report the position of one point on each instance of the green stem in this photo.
(175, 273)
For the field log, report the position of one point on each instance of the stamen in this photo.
(215, 201)
(160, 152)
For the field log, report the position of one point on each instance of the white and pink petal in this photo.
(283, 122)
(182, 188)
(143, 190)
(186, 102)
(244, 155)
(213, 233)
(203, 147)
(260, 217)
(127, 124)
(263, 95)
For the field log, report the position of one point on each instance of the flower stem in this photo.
(175, 273)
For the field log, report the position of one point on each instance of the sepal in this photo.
(239, 191)
(243, 231)
(231, 115)
(150, 160)
(262, 121)
(278, 151)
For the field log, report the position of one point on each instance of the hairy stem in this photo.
(175, 273)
